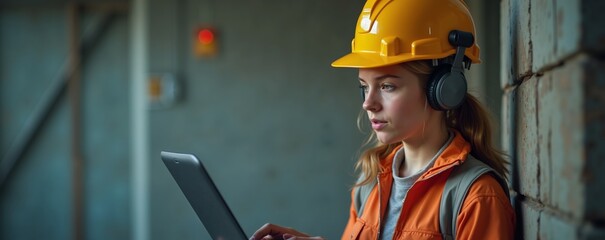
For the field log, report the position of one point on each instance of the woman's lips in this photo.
(378, 124)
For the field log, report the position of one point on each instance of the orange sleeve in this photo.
(352, 218)
(486, 212)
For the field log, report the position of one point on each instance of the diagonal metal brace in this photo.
(49, 100)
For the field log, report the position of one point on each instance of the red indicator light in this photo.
(205, 36)
(205, 41)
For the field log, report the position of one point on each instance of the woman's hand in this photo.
(272, 231)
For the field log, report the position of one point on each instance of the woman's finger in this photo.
(272, 230)
(292, 237)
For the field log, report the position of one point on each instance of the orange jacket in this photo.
(485, 214)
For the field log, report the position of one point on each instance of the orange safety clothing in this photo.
(486, 212)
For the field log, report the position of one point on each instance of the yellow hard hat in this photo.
(396, 31)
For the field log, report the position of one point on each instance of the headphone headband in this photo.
(446, 88)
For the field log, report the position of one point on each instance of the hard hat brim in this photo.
(372, 60)
(360, 60)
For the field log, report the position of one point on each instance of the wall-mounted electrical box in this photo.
(163, 90)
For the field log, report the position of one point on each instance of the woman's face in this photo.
(395, 102)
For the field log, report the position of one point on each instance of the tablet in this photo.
(194, 181)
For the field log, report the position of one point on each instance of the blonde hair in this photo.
(470, 119)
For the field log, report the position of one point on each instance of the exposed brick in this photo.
(555, 228)
(544, 120)
(527, 139)
(560, 131)
(516, 58)
(567, 28)
(579, 26)
(530, 219)
(556, 117)
(507, 136)
(542, 33)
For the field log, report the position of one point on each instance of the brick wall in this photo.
(553, 115)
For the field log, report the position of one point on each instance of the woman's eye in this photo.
(363, 88)
(387, 87)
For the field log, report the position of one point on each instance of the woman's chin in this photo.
(386, 139)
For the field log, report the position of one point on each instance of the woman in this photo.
(410, 55)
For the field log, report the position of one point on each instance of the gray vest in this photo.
(454, 192)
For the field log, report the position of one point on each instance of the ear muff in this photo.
(446, 87)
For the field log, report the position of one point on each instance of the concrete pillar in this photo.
(139, 120)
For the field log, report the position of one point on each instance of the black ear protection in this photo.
(446, 86)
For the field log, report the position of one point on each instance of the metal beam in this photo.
(49, 100)
(75, 92)
(87, 6)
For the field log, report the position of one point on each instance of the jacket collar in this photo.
(454, 154)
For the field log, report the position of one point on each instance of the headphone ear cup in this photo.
(432, 94)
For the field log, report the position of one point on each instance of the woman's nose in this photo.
(370, 103)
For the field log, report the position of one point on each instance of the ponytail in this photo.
(473, 122)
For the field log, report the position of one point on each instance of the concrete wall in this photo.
(553, 115)
(272, 121)
(36, 202)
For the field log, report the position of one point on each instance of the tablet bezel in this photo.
(203, 196)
